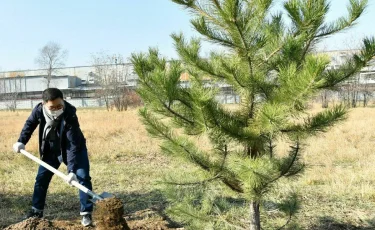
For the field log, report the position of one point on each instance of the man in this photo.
(60, 140)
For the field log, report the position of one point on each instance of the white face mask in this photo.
(55, 113)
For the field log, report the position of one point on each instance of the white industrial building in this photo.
(80, 82)
(75, 82)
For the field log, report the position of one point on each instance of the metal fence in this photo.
(77, 102)
(98, 103)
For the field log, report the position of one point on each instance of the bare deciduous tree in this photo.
(13, 96)
(353, 87)
(367, 89)
(51, 57)
(357, 87)
(325, 98)
(111, 74)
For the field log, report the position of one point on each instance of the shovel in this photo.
(94, 197)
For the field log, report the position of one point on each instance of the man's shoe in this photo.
(34, 213)
(86, 220)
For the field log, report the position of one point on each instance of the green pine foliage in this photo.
(272, 66)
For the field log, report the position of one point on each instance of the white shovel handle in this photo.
(55, 171)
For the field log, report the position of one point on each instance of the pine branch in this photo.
(286, 169)
(331, 78)
(232, 71)
(150, 87)
(276, 19)
(185, 3)
(249, 60)
(245, 47)
(356, 8)
(224, 122)
(216, 177)
(319, 122)
(161, 130)
(193, 183)
(218, 37)
(168, 108)
(191, 4)
(307, 47)
(217, 4)
(307, 19)
(190, 54)
(271, 55)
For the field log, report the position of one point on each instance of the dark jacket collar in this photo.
(69, 110)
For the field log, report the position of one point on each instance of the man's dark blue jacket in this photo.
(72, 140)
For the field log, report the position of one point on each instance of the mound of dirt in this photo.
(109, 214)
(34, 223)
(43, 224)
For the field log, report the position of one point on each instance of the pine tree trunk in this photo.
(252, 151)
(254, 216)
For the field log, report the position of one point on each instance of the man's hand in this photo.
(71, 177)
(18, 146)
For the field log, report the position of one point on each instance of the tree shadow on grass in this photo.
(332, 224)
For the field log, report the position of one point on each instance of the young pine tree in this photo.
(271, 65)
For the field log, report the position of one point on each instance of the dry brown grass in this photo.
(337, 188)
(124, 161)
(339, 181)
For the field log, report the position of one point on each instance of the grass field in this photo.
(337, 189)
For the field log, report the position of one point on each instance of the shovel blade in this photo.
(106, 195)
(101, 196)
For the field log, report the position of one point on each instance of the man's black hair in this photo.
(51, 94)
